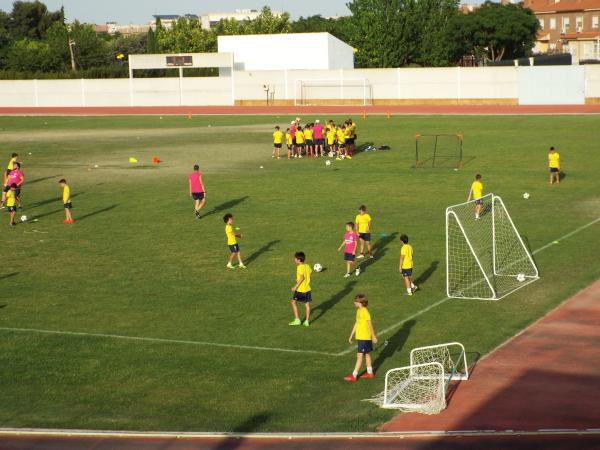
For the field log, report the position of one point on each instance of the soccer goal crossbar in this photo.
(333, 91)
(486, 257)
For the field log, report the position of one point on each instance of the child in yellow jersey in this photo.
(11, 203)
(66, 199)
(277, 141)
(301, 290)
(363, 226)
(554, 165)
(234, 247)
(331, 141)
(365, 338)
(299, 141)
(341, 141)
(308, 140)
(406, 264)
(13, 159)
(476, 192)
(289, 143)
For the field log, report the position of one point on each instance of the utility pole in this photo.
(71, 44)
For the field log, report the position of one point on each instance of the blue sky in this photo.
(141, 11)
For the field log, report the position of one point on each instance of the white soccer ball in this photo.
(521, 277)
(317, 267)
(327, 163)
(23, 218)
(526, 195)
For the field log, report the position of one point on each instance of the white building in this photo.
(210, 20)
(293, 51)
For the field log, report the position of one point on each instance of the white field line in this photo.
(271, 349)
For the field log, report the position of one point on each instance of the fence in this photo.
(455, 85)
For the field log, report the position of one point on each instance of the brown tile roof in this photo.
(548, 6)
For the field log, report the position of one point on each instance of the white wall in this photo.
(293, 51)
(530, 85)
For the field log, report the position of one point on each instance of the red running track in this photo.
(295, 110)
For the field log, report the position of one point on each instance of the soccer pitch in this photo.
(128, 319)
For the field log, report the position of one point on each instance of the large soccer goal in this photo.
(333, 91)
(422, 386)
(439, 150)
(486, 258)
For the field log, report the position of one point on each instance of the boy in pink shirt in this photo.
(349, 244)
(318, 138)
(197, 190)
(15, 177)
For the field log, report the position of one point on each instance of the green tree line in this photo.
(37, 43)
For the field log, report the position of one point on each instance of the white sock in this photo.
(477, 216)
(412, 285)
(408, 290)
(355, 373)
(369, 369)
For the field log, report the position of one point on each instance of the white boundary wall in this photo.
(525, 85)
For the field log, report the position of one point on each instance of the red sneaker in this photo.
(367, 375)
(350, 378)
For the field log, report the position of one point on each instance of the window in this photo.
(579, 23)
(594, 21)
(553, 23)
(541, 24)
(566, 23)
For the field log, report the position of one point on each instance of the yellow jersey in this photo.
(554, 160)
(303, 270)
(299, 137)
(66, 194)
(231, 240)
(330, 137)
(277, 137)
(308, 134)
(10, 163)
(407, 252)
(341, 137)
(10, 198)
(288, 138)
(363, 331)
(477, 189)
(363, 220)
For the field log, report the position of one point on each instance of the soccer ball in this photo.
(327, 163)
(521, 277)
(526, 195)
(23, 218)
(317, 267)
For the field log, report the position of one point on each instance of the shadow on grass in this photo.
(361, 148)
(37, 180)
(322, 308)
(226, 206)
(51, 200)
(93, 213)
(251, 424)
(562, 175)
(9, 275)
(379, 250)
(394, 345)
(473, 358)
(423, 277)
(50, 213)
(265, 248)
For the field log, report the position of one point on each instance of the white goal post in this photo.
(486, 257)
(422, 386)
(331, 91)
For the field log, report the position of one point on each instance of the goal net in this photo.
(486, 257)
(356, 91)
(439, 150)
(422, 386)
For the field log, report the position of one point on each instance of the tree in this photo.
(152, 46)
(317, 24)
(89, 49)
(268, 23)
(32, 19)
(495, 31)
(432, 20)
(186, 36)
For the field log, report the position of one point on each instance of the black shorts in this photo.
(304, 297)
(68, 205)
(12, 208)
(554, 170)
(350, 141)
(198, 195)
(364, 346)
(8, 171)
(349, 257)
(294, 141)
(234, 248)
(318, 141)
(341, 145)
(18, 192)
(277, 145)
(301, 145)
(309, 142)
(365, 236)
(407, 272)
(479, 201)
(5, 188)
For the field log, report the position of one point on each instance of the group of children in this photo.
(315, 140)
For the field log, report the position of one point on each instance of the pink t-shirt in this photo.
(15, 176)
(350, 240)
(318, 131)
(293, 131)
(196, 182)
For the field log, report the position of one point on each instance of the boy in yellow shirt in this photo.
(299, 141)
(406, 264)
(234, 247)
(476, 192)
(341, 141)
(363, 225)
(554, 165)
(331, 134)
(301, 291)
(66, 199)
(277, 141)
(290, 143)
(11, 203)
(308, 139)
(365, 338)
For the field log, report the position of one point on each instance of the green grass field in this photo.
(136, 263)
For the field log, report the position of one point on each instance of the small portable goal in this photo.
(439, 150)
